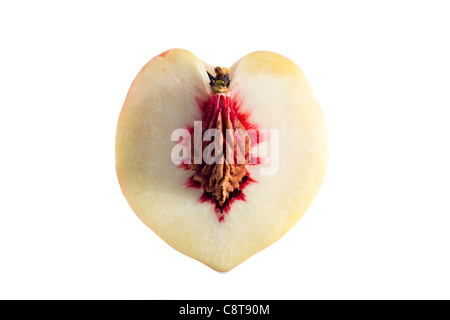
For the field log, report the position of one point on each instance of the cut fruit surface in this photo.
(252, 147)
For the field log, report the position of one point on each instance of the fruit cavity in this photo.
(224, 176)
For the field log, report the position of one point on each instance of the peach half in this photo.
(220, 163)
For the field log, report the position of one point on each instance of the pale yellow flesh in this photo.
(163, 97)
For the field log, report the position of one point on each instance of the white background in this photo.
(380, 225)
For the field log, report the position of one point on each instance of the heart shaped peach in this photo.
(219, 162)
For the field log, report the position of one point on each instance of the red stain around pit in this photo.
(209, 110)
(225, 209)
